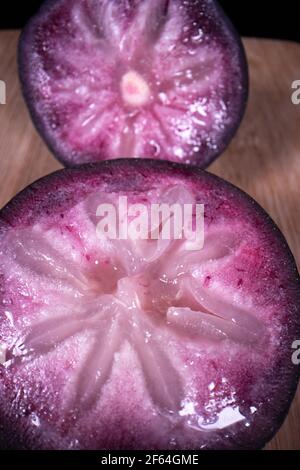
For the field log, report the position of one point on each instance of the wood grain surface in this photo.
(263, 159)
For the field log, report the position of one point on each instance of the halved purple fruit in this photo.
(164, 79)
(143, 344)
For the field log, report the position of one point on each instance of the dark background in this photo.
(262, 18)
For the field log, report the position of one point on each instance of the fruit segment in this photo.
(163, 79)
(109, 343)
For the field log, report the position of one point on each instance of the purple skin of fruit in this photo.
(111, 346)
(148, 79)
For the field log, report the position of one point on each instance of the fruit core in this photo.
(134, 89)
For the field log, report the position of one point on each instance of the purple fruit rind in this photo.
(57, 147)
(65, 188)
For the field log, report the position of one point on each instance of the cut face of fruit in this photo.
(110, 343)
(106, 79)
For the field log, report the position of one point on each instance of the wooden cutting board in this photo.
(263, 159)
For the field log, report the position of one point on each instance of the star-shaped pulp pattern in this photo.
(160, 291)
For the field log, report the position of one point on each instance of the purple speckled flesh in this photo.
(164, 79)
(138, 344)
